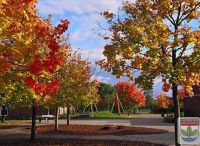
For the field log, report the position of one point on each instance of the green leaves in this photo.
(189, 132)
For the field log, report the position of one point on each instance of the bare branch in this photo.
(173, 22)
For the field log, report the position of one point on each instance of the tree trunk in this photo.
(176, 110)
(56, 119)
(96, 108)
(84, 109)
(3, 112)
(91, 106)
(134, 111)
(118, 107)
(175, 87)
(68, 115)
(112, 107)
(33, 127)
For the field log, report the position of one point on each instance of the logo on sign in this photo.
(188, 130)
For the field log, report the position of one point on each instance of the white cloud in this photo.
(85, 28)
(92, 54)
(79, 7)
(83, 15)
(101, 79)
(157, 88)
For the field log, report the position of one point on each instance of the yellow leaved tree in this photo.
(161, 38)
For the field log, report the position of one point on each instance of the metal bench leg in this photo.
(40, 119)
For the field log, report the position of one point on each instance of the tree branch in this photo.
(179, 13)
(173, 22)
(179, 48)
(188, 13)
(188, 63)
(181, 54)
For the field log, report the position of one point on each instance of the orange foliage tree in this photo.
(31, 49)
(163, 101)
(130, 94)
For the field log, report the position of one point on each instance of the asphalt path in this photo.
(149, 121)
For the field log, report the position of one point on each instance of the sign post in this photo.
(188, 130)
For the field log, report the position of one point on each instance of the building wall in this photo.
(192, 104)
(26, 112)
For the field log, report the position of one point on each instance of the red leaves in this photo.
(41, 88)
(163, 101)
(52, 62)
(53, 87)
(4, 65)
(181, 93)
(130, 92)
(53, 59)
(42, 30)
(53, 45)
(36, 66)
(140, 99)
(34, 51)
(62, 27)
(166, 87)
(29, 81)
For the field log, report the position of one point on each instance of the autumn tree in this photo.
(163, 101)
(130, 95)
(92, 97)
(75, 86)
(31, 49)
(161, 39)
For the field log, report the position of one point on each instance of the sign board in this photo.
(188, 130)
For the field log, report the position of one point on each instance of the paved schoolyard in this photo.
(144, 120)
(150, 121)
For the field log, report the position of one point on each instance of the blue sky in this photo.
(83, 16)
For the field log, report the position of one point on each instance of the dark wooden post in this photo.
(33, 127)
(56, 120)
(3, 112)
(68, 115)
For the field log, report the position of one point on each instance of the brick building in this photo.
(26, 112)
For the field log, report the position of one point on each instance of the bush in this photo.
(169, 119)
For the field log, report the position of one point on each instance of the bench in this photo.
(46, 117)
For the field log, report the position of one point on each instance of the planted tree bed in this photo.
(98, 130)
(76, 142)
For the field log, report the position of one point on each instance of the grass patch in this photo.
(109, 115)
